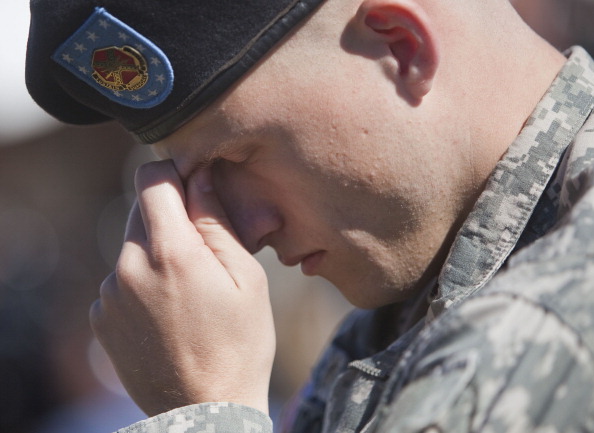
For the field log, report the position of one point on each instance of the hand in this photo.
(186, 316)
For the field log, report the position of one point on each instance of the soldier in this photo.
(431, 159)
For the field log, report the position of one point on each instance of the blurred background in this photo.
(64, 197)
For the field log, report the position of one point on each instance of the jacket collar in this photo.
(503, 210)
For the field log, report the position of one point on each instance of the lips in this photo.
(309, 262)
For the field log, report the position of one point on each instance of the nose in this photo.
(254, 223)
(251, 210)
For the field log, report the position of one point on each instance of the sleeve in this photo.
(205, 418)
(502, 363)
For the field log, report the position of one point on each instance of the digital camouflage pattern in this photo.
(508, 341)
(205, 418)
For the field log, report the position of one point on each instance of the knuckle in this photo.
(162, 250)
(107, 283)
(129, 267)
(168, 253)
(124, 272)
(96, 316)
(107, 294)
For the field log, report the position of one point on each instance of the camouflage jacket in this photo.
(508, 341)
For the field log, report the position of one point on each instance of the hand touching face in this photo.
(185, 317)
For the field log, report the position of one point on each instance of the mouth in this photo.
(309, 262)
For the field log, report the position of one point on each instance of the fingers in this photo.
(161, 201)
(168, 223)
(182, 271)
(209, 218)
(135, 231)
(206, 212)
(96, 312)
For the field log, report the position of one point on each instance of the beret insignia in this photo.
(117, 61)
(91, 61)
(120, 68)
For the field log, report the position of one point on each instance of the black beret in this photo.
(150, 65)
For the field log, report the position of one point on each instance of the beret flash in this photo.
(150, 65)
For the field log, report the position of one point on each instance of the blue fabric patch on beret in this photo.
(117, 61)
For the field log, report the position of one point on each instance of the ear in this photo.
(404, 27)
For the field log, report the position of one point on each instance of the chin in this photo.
(370, 296)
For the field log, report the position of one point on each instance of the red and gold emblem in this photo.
(119, 68)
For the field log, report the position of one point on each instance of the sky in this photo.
(19, 116)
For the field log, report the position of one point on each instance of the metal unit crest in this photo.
(117, 61)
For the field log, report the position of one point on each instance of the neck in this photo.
(494, 71)
(510, 69)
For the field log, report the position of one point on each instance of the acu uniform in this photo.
(508, 340)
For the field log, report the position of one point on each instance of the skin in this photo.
(356, 148)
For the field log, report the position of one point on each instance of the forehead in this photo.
(248, 109)
(196, 142)
(274, 102)
(217, 132)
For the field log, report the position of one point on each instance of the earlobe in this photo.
(406, 29)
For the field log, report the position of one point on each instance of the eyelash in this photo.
(237, 157)
(213, 160)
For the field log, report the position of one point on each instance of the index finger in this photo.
(135, 231)
(161, 200)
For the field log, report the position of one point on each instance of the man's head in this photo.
(358, 145)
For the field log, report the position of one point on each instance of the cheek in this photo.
(359, 199)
